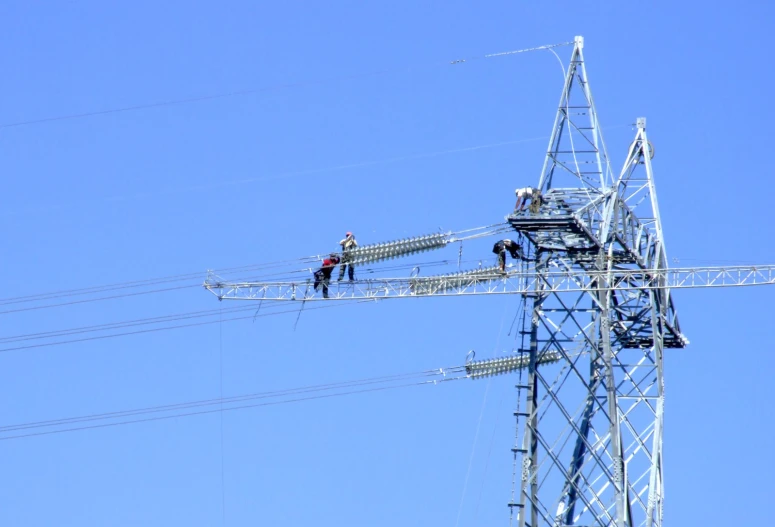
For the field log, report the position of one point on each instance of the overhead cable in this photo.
(264, 89)
(373, 253)
(229, 400)
(284, 275)
(232, 408)
(143, 283)
(471, 370)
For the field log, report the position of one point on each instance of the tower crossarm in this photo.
(478, 283)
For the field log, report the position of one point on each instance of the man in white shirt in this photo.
(523, 194)
(347, 244)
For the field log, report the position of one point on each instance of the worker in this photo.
(323, 275)
(500, 249)
(347, 244)
(523, 194)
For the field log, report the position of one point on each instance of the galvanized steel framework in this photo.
(592, 430)
(489, 282)
(597, 284)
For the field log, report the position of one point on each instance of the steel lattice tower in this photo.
(591, 449)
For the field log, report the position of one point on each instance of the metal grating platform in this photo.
(545, 223)
(558, 232)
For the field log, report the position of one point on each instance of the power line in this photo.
(96, 289)
(122, 324)
(41, 335)
(242, 407)
(227, 400)
(166, 328)
(145, 282)
(269, 88)
(147, 321)
(99, 299)
(220, 407)
(277, 276)
(185, 277)
(161, 280)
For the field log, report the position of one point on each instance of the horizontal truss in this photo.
(511, 283)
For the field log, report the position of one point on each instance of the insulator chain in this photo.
(396, 249)
(490, 367)
(433, 284)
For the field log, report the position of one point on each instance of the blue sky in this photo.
(253, 178)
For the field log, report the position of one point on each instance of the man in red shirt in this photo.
(323, 275)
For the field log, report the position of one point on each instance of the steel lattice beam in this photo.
(623, 280)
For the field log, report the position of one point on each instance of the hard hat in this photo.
(349, 233)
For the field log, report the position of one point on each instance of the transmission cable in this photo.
(178, 326)
(123, 324)
(182, 277)
(229, 400)
(360, 388)
(156, 320)
(146, 282)
(270, 88)
(479, 422)
(278, 277)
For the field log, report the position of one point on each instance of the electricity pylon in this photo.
(597, 289)
(592, 431)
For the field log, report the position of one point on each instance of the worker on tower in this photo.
(347, 244)
(323, 275)
(500, 249)
(523, 194)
